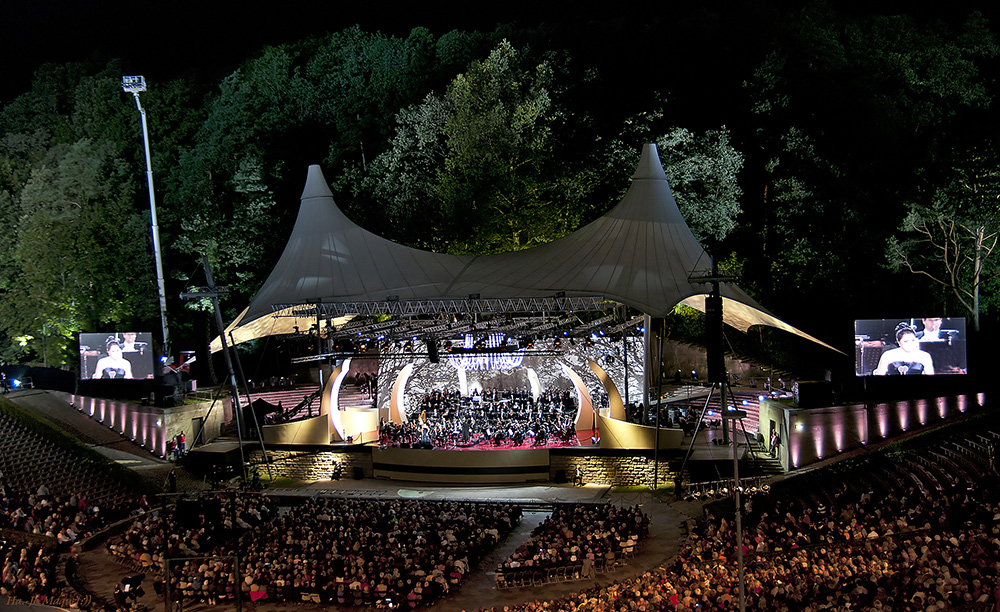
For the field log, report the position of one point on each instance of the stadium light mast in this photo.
(136, 85)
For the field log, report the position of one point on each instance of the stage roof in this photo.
(641, 254)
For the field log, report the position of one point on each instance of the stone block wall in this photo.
(612, 470)
(315, 465)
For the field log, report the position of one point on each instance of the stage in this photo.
(474, 465)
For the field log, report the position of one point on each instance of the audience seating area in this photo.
(29, 460)
(872, 534)
(914, 529)
(575, 542)
(346, 551)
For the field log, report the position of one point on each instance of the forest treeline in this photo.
(843, 163)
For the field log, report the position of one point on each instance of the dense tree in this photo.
(80, 251)
(489, 155)
(482, 156)
(951, 241)
(851, 110)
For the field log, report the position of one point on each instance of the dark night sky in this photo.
(165, 40)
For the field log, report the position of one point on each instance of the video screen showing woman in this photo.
(913, 342)
(907, 359)
(114, 364)
(113, 351)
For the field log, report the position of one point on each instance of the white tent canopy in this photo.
(641, 254)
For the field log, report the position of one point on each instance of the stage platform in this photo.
(491, 466)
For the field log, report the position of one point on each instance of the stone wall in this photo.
(611, 470)
(315, 465)
(604, 470)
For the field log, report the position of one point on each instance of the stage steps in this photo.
(353, 397)
(764, 465)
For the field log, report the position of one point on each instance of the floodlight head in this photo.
(133, 84)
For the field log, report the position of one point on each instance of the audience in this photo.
(64, 518)
(907, 551)
(29, 572)
(580, 534)
(328, 550)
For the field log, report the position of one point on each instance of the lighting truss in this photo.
(448, 306)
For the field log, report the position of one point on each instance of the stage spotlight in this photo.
(557, 343)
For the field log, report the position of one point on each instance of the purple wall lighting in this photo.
(820, 433)
(141, 424)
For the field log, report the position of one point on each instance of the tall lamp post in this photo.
(135, 85)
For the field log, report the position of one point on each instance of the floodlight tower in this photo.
(135, 85)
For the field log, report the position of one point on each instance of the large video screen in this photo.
(117, 355)
(908, 347)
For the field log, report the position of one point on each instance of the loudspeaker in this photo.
(713, 345)
(359, 473)
(432, 351)
(561, 477)
(813, 394)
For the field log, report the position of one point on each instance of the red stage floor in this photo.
(583, 438)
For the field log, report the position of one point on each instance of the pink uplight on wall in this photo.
(903, 414)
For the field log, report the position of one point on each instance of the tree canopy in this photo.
(830, 153)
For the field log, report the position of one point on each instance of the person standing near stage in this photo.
(172, 481)
(181, 440)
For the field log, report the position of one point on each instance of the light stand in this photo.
(737, 415)
(135, 85)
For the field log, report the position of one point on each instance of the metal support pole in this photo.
(253, 413)
(734, 415)
(648, 367)
(625, 354)
(319, 342)
(659, 402)
(229, 365)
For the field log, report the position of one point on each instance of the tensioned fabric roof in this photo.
(641, 254)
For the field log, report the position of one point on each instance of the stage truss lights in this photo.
(497, 359)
